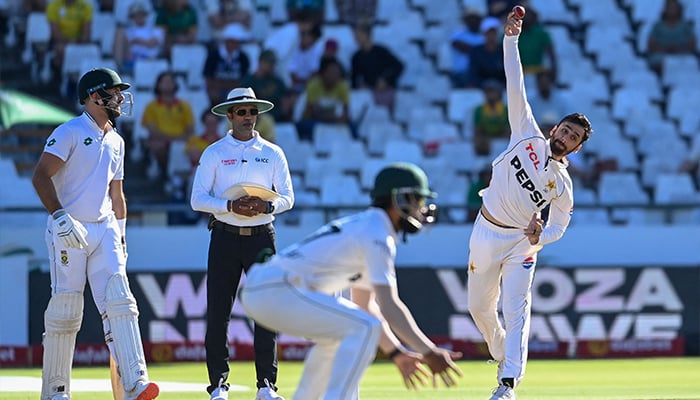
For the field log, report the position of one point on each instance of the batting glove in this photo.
(71, 232)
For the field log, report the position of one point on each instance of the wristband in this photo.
(270, 208)
(394, 353)
(122, 226)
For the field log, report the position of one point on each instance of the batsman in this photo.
(79, 180)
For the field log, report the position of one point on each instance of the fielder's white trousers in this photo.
(345, 336)
(502, 259)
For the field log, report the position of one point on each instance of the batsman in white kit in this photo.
(294, 293)
(508, 233)
(79, 180)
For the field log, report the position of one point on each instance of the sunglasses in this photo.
(242, 112)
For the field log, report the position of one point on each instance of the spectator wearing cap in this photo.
(269, 85)
(486, 60)
(141, 39)
(375, 67)
(462, 41)
(179, 20)
(226, 63)
(490, 118)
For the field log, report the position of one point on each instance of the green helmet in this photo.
(99, 78)
(404, 176)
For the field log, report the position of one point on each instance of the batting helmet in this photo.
(405, 176)
(99, 78)
(405, 186)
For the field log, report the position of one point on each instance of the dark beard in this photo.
(558, 149)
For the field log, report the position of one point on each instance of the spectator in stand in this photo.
(462, 42)
(327, 99)
(194, 148)
(691, 164)
(501, 8)
(167, 118)
(305, 60)
(672, 34)
(486, 60)
(306, 10)
(30, 6)
(547, 100)
(536, 48)
(70, 22)
(351, 12)
(179, 20)
(490, 118)
(375, 67)
(221, 13)
(474, 200)
(269, 86)
(140, 40)
(226, 63)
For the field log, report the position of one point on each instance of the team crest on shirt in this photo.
(87, 141)
(551, 185)
(64, 257)
(528, 263)
(472, 267)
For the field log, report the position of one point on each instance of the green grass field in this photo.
(658, 378)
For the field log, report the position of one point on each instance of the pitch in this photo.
(630, 379)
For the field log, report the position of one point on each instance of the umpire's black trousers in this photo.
(231, 253)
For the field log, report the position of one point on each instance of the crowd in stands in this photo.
(316, 70)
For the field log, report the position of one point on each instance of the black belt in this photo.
(495, 223)
(242, 230)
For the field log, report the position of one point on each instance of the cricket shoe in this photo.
(503, 392)
(220, 393)
(144, 390)
(268, 393)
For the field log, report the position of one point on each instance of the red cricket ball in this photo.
(519, 12)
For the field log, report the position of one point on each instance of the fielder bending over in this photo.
(294, 293)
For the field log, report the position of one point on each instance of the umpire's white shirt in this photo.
(357, 250)
(92, 160)
(229, 161)
(525, 178)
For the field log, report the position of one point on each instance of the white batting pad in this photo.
(123, 320)
(62, 320)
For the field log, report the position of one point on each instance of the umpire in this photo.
(242, 180)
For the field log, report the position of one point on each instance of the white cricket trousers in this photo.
(345, 336)
(502, 260)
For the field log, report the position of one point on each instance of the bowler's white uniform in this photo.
(525, 179)
(92, 160)
(293, 293)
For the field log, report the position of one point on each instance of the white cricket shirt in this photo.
(92, 160)
(354, 251)
(229, 161)
(525, 178)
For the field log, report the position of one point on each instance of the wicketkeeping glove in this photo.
(71, 232)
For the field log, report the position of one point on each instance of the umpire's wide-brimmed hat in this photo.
(240, 96)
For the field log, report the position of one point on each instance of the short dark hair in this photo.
(581, 120)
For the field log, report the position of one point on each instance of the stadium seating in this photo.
(638, 117)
